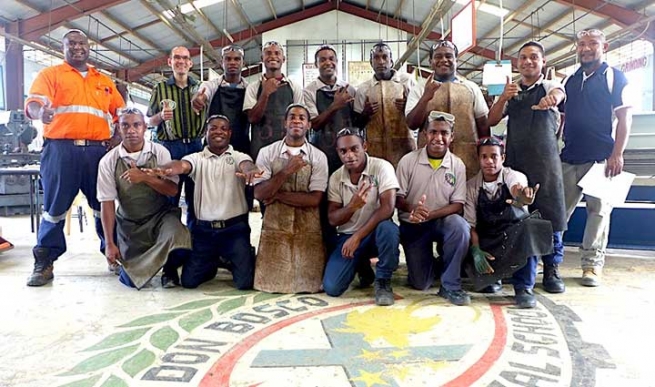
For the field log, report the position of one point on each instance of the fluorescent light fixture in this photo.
(188, 7)
(487, 8)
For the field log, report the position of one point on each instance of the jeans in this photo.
(232, 243)
(382, 242)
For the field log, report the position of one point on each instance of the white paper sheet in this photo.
(611, 189)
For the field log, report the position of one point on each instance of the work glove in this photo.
(481, 260)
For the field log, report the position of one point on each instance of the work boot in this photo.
(456, 297)
(383, 292)
(592, 276)
(366, 277)
(494, 288)
(43, 269)
(552, 281)
(524, 299)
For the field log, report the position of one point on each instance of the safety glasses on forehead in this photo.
(272, 43)
(352, 131)
(444, 43)
(129, 110)
(215, 116)
(490, 141)
(232, 48)
(592, 32)
(441, 116)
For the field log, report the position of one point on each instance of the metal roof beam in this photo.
(39, 25)
(401, 25)
(545, 28)
(621, 16)
(309, 12)
(563, 60)
(246, 34)
(132, 31)
(399, 9)
(428, 24)
(91, 38)
(270, 5)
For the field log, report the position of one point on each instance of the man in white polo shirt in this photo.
(149, 232)
(361, 201)
(431, 197)
(291, 255)
(220, 174)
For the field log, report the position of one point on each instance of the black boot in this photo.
(383, 292)
(552, 281)
(43, 268)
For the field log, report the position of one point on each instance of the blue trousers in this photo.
(557, 257)
(383, 242)
(525, 277)
(451, 232)
(232, 243)
(65, 170)
(178, 150)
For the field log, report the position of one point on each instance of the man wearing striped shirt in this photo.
(179, 129)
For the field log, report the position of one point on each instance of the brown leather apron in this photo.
(456, 99)
(291, 255)
(387, 133)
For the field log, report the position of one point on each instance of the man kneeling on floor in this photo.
(505, 238)
(431, 196)
(221, 229)
(361, 200)
(149, 231)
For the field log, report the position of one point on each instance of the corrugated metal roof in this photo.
(130, 34)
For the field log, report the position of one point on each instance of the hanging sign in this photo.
(463, 28)
(495, 75)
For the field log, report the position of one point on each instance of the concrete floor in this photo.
(86, 329)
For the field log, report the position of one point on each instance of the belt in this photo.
(184, 140)
(81, 142)
(222, 223)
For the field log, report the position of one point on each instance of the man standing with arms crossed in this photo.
(178, 129)
(77, 105)
(596, 94)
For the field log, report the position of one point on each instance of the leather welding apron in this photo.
(148, 227)
(325, 138)
(291, 255)
(271, 127)
(387, 133)
(532, 149)
(457, 99)
(228, 101)
(508, 233)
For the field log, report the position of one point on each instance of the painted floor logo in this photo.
(236, 338)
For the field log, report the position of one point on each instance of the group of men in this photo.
(330, 157)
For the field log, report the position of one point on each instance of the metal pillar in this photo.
(14, 74)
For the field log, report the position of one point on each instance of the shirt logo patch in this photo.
(229, 160)
(450, 179)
